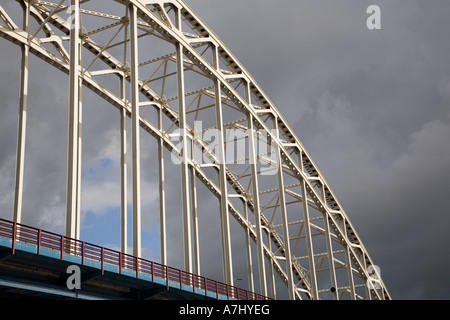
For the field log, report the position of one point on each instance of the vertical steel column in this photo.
(284, 219)
(72, 213)
(256, 205)
(366, 287)
(135, 132)
(184, 151)
(351, 283)
(195, 218)
(22, 121)
(330, 256)
(195, 229)
(162, 195)
(257, 212)
(79, 143)
(224, 216)
(247, 231)
(248, 250)
(271, 271)
(383, 296)
(326, 225)
(123, 169)
(123, 152)
(309, 245)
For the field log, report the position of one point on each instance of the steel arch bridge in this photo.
(217, 123)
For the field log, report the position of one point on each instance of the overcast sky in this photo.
(372, 108)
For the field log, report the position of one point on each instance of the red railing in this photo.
(173, 277)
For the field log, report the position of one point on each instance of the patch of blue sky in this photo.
(105, 163)
(104, 230)
(90, 170)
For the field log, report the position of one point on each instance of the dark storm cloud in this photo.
(371, 107)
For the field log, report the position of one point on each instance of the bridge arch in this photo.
(196, 86)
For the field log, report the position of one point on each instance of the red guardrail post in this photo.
(39, 241)
(13, 244)
(62, 247)
(103, 260)
(82, 252)
(167, 277)
(153, 270)
(120, 262)
(137, 267)
(217, 290)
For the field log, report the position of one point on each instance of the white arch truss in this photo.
(175, 64)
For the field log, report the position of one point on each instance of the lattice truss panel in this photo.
(237, 143)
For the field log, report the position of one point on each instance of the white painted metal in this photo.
(22, 122)
(79, 147)
(123, 171)
(256, 206)
(284, 218)
(224, 216)
(184, 151)
(349, 268)
(135, 105)
(251, 285)
(162, 193)
(74, 118)
(307, 226)
(195, 228)
(250, 111)
(334, 288)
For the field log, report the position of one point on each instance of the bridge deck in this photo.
(34, 262)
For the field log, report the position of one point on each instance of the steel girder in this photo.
(300, 230)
